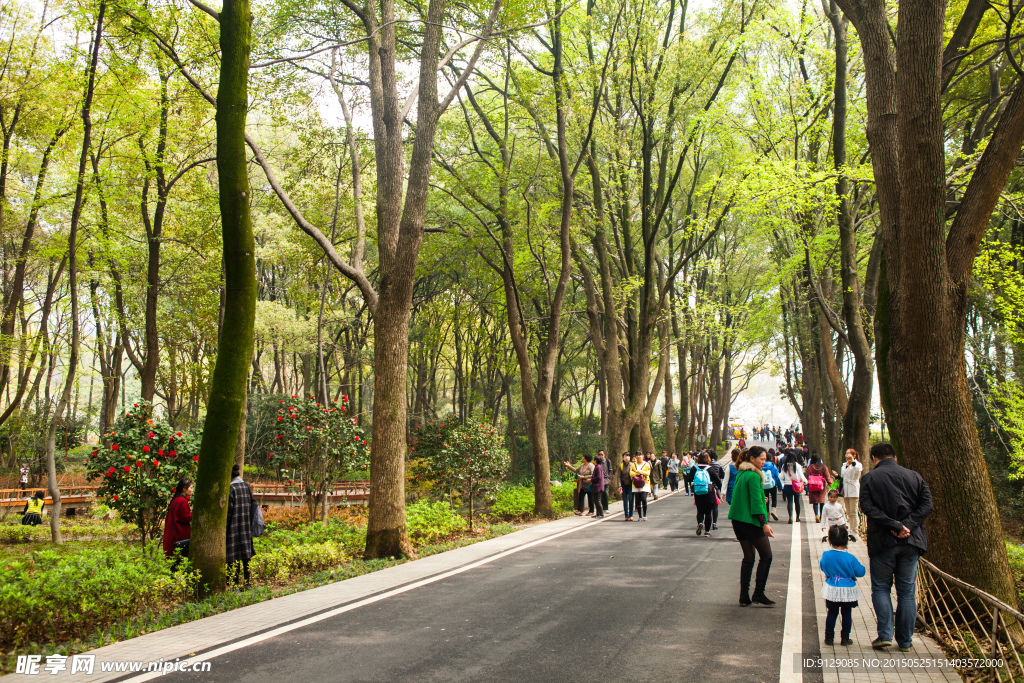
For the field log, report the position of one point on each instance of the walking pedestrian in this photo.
(705, 492)
(730, 475)
(673, 472)
(791, 474)
(896, 502)
(597, 486)
(772, 484)
(178, 523)
(606, 464)
(239, 528)
(749, 517)
(640, 473)
(684, 470)
(716, 467)
(626, 487)
(657, 475)
(840, 591)
(23, 480)
(818, 481)
(851, 472)
(583, 473)
(33, 513)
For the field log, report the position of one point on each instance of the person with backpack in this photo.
(818, 481)
(684, 471)
(791, 475)
(239, 528)
(749, 516)
(626, 487)
(772, 484)
(706, 485)
(640, 474)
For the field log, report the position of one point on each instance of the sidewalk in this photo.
(864, 631)
(206, 638)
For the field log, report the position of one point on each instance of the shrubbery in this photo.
(516, 502)
(50, 596)
(429, 521)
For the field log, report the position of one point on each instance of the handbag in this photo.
(798, 486)
(183, 546)
(257, 525)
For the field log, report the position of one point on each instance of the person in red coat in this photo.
(178, 525)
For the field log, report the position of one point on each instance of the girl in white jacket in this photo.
(791, 473)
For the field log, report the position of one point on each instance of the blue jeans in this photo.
(896, 564)
(627, 502)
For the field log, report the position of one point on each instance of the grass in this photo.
(173, 615)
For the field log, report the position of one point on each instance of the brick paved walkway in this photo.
(864, 630)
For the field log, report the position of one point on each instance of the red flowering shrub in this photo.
(470, 458)
(322, 441)
(134, 482)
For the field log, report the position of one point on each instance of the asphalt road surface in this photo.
(616, 601)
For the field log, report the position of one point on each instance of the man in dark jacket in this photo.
(896, 502)
(239, 542)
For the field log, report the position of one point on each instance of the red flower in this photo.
(114, 447)
(155, 463)
(135, 405)
(271, 455)
(145, 449)
(172, 453)
(110, 471)
(127, 468)
(177, 433)
(151, 435)
(290, 481)
(195, 458)
(138, 464)
(160, 452)
(115, 496)
(279, 418)
(309, 428)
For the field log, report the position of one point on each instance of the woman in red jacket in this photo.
(178, 525)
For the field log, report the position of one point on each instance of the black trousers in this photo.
(233, 571)
(673, 480)
(640, 503)
(585, 493)
(705, 510)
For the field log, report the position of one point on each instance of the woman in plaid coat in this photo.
(239, 541)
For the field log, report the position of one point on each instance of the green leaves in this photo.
(139, 466)
(453, 455)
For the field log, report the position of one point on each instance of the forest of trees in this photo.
(589, 224)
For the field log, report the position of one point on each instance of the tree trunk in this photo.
(234, 350)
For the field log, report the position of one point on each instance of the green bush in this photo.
(350, 538)
(278, 563)
(58, 597)
(429, 521)
(16, 533)
(512, 502)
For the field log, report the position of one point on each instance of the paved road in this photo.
(615, 601)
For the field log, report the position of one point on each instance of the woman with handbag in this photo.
(178, 524)
(818, 481)
(792, 477)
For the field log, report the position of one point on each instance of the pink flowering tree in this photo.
(324, 442)
(468, 458)
(138, 466)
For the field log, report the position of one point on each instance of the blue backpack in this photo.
(701, 482)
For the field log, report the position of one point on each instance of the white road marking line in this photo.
(792, 636)
(206, 656)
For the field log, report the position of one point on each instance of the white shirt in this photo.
(851, 479)
(798, 474)
(832, 514)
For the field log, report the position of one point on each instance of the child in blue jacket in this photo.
(840, 590)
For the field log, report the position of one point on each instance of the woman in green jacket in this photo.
(749, 515)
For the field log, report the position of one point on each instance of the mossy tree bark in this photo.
(234, 352)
